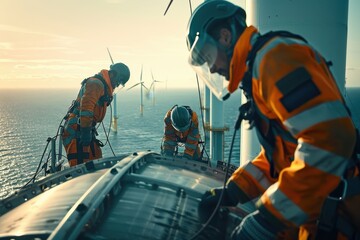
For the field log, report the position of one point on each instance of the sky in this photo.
(57, 43)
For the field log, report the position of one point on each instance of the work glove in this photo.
(210, 199)
(85, 136)
(254, 227)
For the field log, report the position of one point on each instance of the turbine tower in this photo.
(141, 83)
(115, 115)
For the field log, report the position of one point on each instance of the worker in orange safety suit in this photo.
(306, 133)
(181, 126)
(89, 108)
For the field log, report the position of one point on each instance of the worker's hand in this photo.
(85, 136)
(255, 226)
(210, 199)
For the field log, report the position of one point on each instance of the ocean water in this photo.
(29, 117)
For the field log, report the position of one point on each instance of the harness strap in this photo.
(251, 112)
(353, 187)
(330, 222)
(106, 97)
(326, 226)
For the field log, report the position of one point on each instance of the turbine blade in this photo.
(133, 86)
(110, 56)
(168, 7)
(152, 75)
(141, 73)
(142, 84)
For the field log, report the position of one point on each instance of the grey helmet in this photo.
(180, 118)
(121, 72)
(203, 33)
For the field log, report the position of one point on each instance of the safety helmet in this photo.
(121, 74)
(180, 118)
(204, 46)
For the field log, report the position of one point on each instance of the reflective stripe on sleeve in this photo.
(321, 159)
(86, 113)
(191, 146)
(287, 208)
(170, 143)
(192, 138)
(257, 174)
(320, 113)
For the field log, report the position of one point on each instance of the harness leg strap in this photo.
(327, 220)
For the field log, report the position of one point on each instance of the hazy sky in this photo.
(57, 43)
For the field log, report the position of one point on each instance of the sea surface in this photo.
(29, 117)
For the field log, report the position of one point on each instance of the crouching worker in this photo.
(181, 126)
(303, 174)
(89, 108)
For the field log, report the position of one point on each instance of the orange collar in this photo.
(105, 74)
(238, 61)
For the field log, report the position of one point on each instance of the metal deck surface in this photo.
(141, 196)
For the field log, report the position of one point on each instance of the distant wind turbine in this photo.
(141, 83)
(152, 88)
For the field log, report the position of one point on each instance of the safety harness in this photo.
(329, 222)
(183, 140)
(250, 110)
(106, 98)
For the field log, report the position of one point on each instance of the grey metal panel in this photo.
(143, 211)
(141, 196)
(43, 212)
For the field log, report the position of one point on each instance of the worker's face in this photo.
(221, 65)
(213, 53)
(222, 62)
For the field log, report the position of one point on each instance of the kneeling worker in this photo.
(181, 126)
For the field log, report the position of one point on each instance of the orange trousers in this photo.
(77, 154)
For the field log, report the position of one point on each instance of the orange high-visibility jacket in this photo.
(190, 137)
(90, 108)
(293, 87)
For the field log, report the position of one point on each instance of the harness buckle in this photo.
(340, 192)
